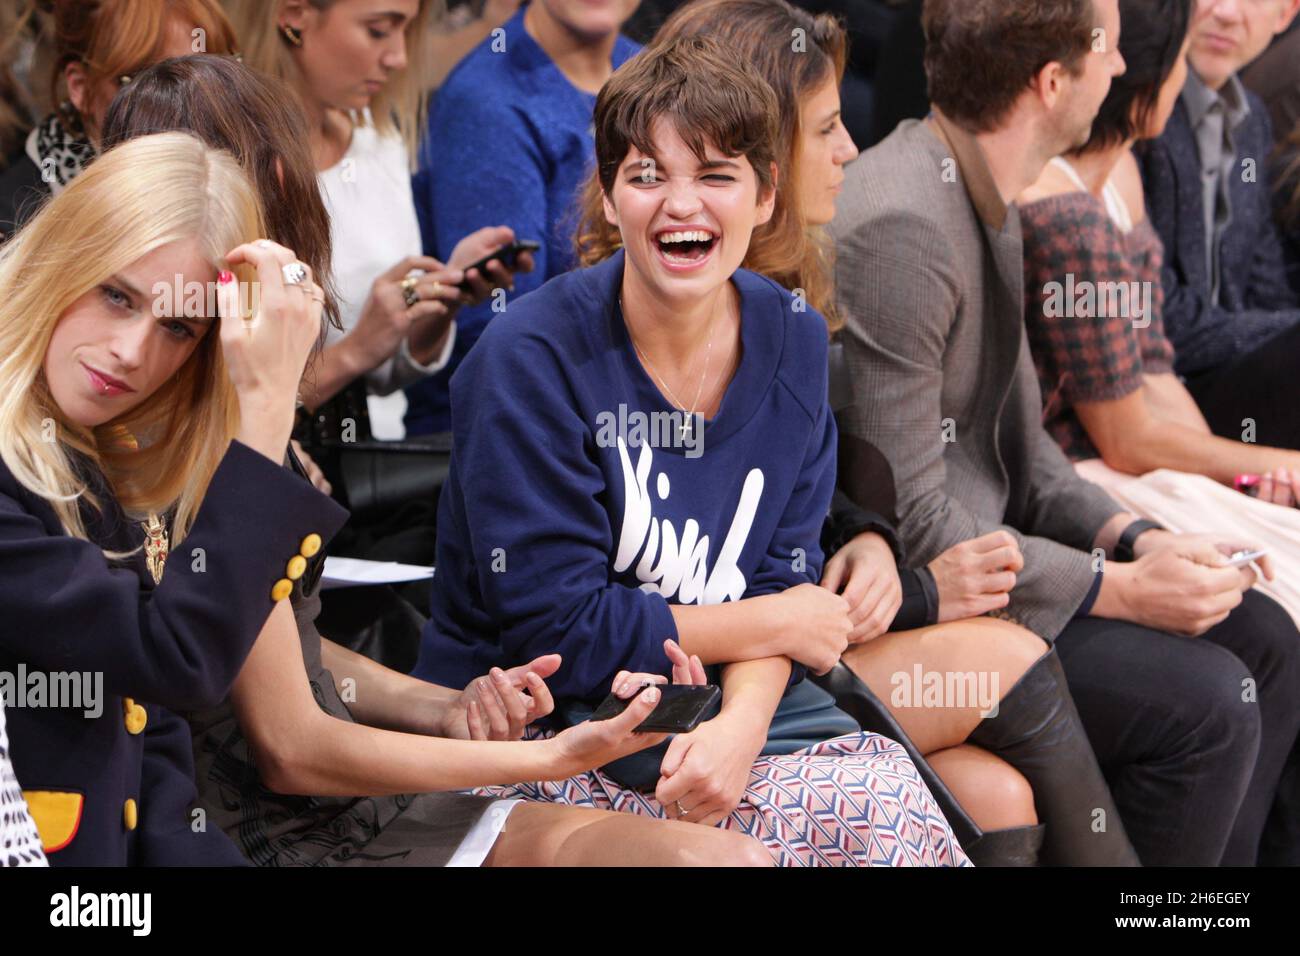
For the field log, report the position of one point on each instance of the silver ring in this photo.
(681, 810)
(295, 273)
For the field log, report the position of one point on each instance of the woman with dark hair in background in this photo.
(357, 70)
(231, 107)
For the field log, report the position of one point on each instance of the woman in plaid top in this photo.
(1093, 313)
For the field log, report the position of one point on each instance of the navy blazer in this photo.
(1255, 302)
(117, 788)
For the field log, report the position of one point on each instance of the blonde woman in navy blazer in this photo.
(143, 410)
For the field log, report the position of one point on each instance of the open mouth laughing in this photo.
(686, 248)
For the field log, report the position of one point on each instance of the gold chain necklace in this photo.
(708, 351)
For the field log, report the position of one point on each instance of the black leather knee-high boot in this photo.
(1014, 846)
(1038, 731)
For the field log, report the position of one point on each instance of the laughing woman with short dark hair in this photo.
(554, 538)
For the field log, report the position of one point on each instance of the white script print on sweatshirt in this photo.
(679, 565)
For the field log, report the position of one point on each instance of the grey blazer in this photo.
(929, 273)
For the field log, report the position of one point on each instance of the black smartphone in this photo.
(507, 256)
(679, 711)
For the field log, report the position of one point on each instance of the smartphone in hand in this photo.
(506, 255)
(680, 710)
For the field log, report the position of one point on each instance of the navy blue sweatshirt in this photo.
(556, 535)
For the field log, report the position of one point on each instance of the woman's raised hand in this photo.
(265, 353)
(387, 317)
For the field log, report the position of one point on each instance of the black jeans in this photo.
(1192, 733)
(1261, 386)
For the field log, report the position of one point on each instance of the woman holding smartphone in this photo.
(643, 450)
(357, 71)
(320, 756)
(141, 435)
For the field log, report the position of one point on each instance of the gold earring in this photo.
(291, 34)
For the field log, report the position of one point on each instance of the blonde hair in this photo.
(161, 455)
(400, 108)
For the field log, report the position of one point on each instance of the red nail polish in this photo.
(225, 277)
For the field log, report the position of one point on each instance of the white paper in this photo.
(351, 572)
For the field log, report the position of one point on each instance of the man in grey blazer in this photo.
(930, 279)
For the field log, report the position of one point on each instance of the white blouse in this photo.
(373, 226)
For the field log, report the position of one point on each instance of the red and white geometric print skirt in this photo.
(855, 800)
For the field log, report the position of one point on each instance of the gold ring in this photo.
(410, 295)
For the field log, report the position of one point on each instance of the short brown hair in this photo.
(705, 92)
(980, 55)
(765, 33)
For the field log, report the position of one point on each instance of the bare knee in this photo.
(995, 794)
(714, 847)
(1010, 648)
(1011, 793)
